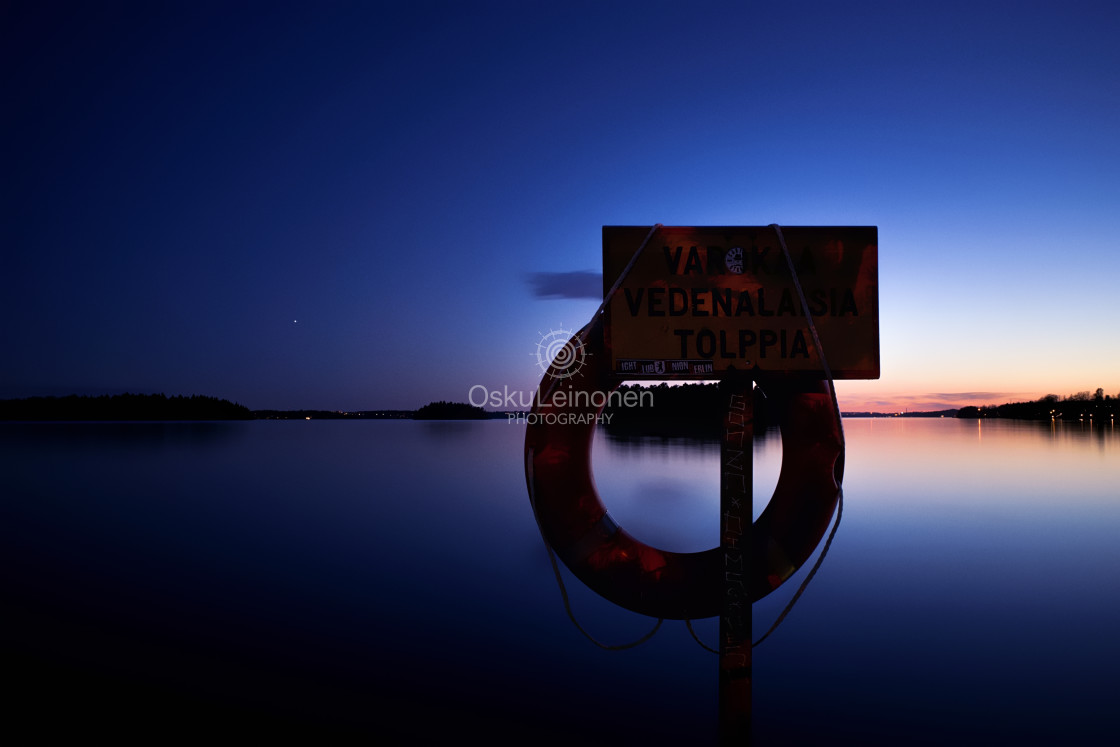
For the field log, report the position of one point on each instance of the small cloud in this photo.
(962, 399)
(952, 400)
(972, 396)
(580, 284)
(930, 401)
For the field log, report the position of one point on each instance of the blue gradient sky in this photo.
(344, 206)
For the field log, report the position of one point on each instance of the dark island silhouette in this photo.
(685, 411)
(123, 407)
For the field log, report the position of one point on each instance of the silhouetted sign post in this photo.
(736, 507)
(724, 303)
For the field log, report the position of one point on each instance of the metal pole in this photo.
(736, 477)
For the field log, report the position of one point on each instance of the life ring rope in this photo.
(533, 497)
(809, 577)
(560, 578)
(840, 423)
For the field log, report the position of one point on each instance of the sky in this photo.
(381, 204)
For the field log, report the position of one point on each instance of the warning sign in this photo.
(702, 301)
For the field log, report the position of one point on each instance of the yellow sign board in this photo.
(705, 300)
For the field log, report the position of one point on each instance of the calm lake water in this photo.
(335, 579)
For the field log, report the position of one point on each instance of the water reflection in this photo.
(140, 434)
(370, 579)
(450, 430)
(679, 433)
(665, 490)
(986, 462)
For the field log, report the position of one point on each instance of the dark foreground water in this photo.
(329, 580)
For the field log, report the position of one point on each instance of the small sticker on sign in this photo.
(734, 260)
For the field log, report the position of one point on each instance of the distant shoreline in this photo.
(161, 408)
(690, 399)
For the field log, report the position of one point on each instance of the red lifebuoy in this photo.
(660, 583)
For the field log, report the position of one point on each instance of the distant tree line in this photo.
(1079, 406)
(332, 414)
(123, 407)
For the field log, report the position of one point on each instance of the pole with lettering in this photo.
(736, 506)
